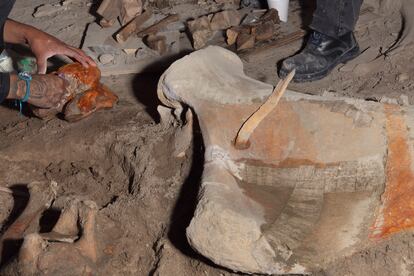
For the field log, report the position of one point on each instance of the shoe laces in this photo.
(317, 37)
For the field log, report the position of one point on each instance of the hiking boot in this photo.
(321, 54)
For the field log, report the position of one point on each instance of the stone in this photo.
(271, 16)
(245, 41)
(109, 10)
(265, 31)
(403, 77)
(404, 100)
(201, 31)
(48, 10)
(322, 178)
(231, 35)
(130, 51)
(130, 9)
(206, 27)
(157, 43)
(225, 19)
(106, 58)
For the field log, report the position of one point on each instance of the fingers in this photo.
(41, 65)
(79, 56)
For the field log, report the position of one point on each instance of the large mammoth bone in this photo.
(321, 178)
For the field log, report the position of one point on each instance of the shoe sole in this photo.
(347, 56)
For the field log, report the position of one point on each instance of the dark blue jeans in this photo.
(335, 18)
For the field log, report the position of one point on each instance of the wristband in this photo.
(27, 78)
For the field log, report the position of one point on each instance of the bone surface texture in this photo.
(323, 177)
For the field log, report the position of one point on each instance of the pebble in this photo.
(403, 77)
(403, 100)
(106, 58)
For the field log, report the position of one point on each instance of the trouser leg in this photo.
(335, 17)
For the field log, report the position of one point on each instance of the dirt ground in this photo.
(122, 158)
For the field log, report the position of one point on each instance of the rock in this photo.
(403, 77)
(157, 43)
(201, 31)
(233, 2)
(284, 207)
(130, 51)
(48, 10)
(109, 10)
(130, 9)
(106, 58)
(201, 23)
(225, 19)
(201, 37)
(231, 35)
(403, 100)
(271, 16)
(68, 2)
(388, 100)
(245, 41)
(265, 31)
(204, 28)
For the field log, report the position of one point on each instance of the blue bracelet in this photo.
(27, 78)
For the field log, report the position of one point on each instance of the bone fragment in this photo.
(133, 26)
(130, 9)
(157, 43)
(159, 25)
(245, 41)
(41, 196)
(109, 10)
(30, 251)
(87, 243)
(225, 19)
(232, 35)
(248, 127)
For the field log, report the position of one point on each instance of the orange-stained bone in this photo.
(397, 211)
(89, 76)
(89, 95)
(97, 97)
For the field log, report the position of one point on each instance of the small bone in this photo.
(66, 228)
(248, 127)
(67, 223)
(132, 26)
(41, 196)
(159, 25)
(30, 251)
(87, 243)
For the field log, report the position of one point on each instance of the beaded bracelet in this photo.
(27, 78)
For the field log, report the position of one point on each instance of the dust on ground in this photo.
(122, 158)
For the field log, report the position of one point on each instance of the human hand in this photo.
(45, 46)
(42, 44)
(46, 91)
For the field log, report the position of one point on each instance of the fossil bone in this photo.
(242, 138)
(57, 252)
(85, 96)
(321, 180)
